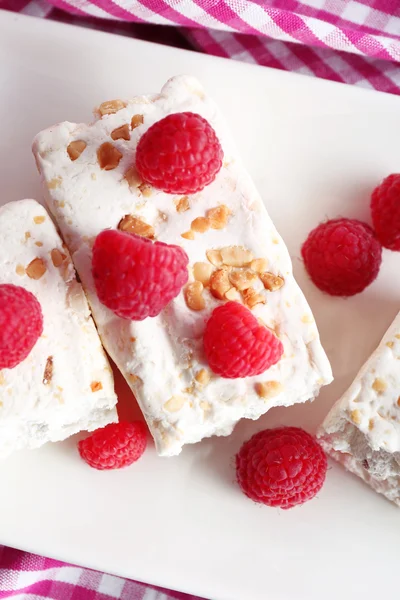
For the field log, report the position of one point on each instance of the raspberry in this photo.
(281, 467)
(21, 324)
(236, 345)
(134, 277)
(180, 154)
(342, 256)
(385, 209)
(114, 446)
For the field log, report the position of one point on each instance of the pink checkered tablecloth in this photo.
(350, 41)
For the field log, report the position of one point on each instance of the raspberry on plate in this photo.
(179, 154)
(281, 467)
(342, 256)
(135, 277)
(385, 210)
(236, 345)
(21, 324)
(114, 446)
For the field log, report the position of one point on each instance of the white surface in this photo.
(313, 148)
(167, 350)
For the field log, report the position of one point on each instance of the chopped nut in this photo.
(272, 282)
(307, 319)
(218, 217)
(215, 257)
(259, 265)
(75, 149)
(203, 376)
(200, 224)
(20, 270)
(232, 295)
(108, 156)
(54, 183)
(134, 379)
(121, 133)
(133, 177)
(204, 405)
(390, 344)
(132, 224)
(182, 204)
(27, 235)
(39, 220)
(236, 256)
(39, 244)
(36, 268)
(202, 272)
(379, 385)
(57, 257)
(356, 416)
(219, 283)
(188, 235)
(371, 424)
(110, 107)
(194, 296)
(175, 403)
(96, 386)
(251, 298)
(268, 389)
(242, 280)
(136, 121)
(146, 189)
(397, 336)
(48, 371)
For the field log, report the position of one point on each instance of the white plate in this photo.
(315, 149)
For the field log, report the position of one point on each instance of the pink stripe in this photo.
(222, 12)
(294, 26)
(371, 73)
(311, 59)
(259, 51)
(204, 40)
(67, 7)
(160, 7)
(368, 45)
(116, 11)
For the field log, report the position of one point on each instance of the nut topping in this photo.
(251, 298)
(57, 257)
(219, 283)
(268, 389)
(132, 224)
(236, 256)
(108, 156)
(36, 268)
(259, 265)
(136, 121)
(203, 376)
(202, 272)
(133, 177)
(75, 149)
(215, 258)
(48, 371)
(121, 133)
(194, 296)
(242, 280)
(182, 204)
(111, 107)
(272, 282)
(218, 217)
(96, 386)
(174, 404)
(200, 224)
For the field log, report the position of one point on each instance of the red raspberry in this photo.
(180, 154)
(114, 446)
(281, 467)
(342, 256)
(21, 324)
(134, 277)
(236, 345)
(385, 209)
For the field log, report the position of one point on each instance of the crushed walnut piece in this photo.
(268, 389)
(36, 268)
(390, 344)
(96, 386)
(108, 156)
(188, 235)
(174, 404)
(236, 256)
(232, 295)
(57, 257)
(219, 283)
(54, 183)
(121, 133)
(27, 235)
(182, 204)
(132, 224)
(202, 272)
(110, 107)
(194, 296)
(48, 371)
(39, 244)
(379, 385)
(75, 149)
(20, 270)
(271, 282)
(215, 257)
(259, 265)
(136, 121)
(251, 298)
(356, 416)
(242, 280)
(200, 224)
(146, 189)
(39, 220)
(218, 217)
(203, 376)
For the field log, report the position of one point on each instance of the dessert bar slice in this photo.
(362, 430)
(65, 384)
(234, 250)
